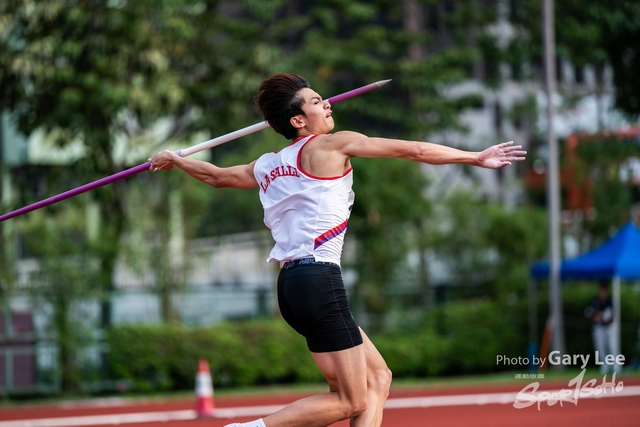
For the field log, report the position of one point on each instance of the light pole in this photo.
(553, 182)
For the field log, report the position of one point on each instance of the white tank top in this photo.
(307, 215)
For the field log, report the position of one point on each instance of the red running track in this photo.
(417, 407)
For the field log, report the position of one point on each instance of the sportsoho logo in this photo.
(529, 395)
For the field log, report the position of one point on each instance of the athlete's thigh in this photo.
(350, 371)
(344, 370)
(375, 361)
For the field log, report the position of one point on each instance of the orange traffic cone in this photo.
(204, 390)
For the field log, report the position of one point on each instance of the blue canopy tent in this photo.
(616, 259)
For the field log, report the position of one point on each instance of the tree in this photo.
(596, 32)
(604, 178)
(94, 70)
(61, 290)
(600, 34)
(389, 200)
(488, 247)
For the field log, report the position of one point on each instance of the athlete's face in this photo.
(317, 117)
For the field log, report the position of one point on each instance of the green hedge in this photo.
(455, 338)
(463, 337)
(460, 337)
(418, 354)
(246, 353)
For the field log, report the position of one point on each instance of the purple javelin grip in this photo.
(183, 153)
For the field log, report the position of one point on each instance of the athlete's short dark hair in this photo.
(278, 101)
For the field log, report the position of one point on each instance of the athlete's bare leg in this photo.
(378, 383)
(358, 387)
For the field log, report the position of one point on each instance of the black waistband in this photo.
(305, 261)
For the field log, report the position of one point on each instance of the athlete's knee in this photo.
(357, 407)
(380, 380)
(387, 377)
(354, 406)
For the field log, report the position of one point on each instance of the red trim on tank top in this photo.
(300, 138)
(327, 178)
(294, 142)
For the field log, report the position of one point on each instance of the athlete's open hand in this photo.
(501, 155)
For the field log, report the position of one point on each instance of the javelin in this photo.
(182, 153)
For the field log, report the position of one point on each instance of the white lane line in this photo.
(109, 419)
(492, 398)
(248, 411)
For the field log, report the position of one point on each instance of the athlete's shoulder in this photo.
(348, 134)
(343, 137)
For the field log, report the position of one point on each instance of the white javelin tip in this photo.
(382, 82)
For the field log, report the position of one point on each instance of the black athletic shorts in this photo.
(313, 301)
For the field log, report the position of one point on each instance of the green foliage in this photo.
(487, 243)
(420, 353)
(463, 337)
(466, 336)
(226, 211)
(61, 288)
(515, 236)
(595, 32)
(155, 241)
(388, 202)
(478, 331)
(601, 171)
(94, 71)
(456, 338)
(81, 63)
(239, 354)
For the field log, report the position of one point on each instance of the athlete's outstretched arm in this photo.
(240, 176)
(494, 157)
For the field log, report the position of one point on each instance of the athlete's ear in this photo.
(297, 121)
